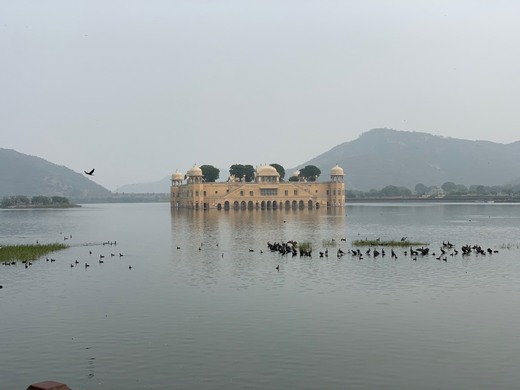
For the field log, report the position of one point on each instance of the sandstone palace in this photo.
(265, 191)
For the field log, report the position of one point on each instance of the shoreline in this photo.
(464, 199)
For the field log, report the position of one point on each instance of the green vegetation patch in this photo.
(398, 243)
(28, 252)
(329, 243)
(305, 246)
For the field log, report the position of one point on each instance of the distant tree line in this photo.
(246, 172)
(447, 189)
(35, 201)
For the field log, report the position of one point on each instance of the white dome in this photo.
(177, 176)
(336, 171)
(296, 174)
(194, 171)
(266, 170)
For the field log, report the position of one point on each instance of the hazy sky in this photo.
(138, 89)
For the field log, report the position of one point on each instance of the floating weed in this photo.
(28, 252)
(305, 246)
(399, 243)
(329, 243)
(509, 246)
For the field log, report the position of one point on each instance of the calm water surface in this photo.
(204, 308)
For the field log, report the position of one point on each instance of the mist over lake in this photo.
(204, 306)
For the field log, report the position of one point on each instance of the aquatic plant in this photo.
(398, 243)
(509, 246)
(329, 243)
(28, 252)
(305, 246)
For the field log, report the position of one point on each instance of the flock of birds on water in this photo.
(292, 248)
(76, 263)
(447, 249)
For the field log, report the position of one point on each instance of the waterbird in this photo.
(129, 267)
(90, 173)
(278, 267)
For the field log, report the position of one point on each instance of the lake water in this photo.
(204, 308)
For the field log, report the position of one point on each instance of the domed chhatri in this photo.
(265, 191)
(194, 171)
(266, 174)
(177, 176)
(267, 170)
(336, 171)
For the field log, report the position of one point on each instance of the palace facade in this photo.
(266, 191)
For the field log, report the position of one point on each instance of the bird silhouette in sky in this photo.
(91, 173)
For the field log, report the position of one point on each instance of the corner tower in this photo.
(336, 187)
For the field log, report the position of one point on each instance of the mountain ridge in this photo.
(377, 158)
(381, 157)
(31, 175)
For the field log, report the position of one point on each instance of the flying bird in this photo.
(91, 173)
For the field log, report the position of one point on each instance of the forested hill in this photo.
(382, 157)
(21, 174)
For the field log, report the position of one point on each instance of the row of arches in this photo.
(267, 205)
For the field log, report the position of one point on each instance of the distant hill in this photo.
(158, 187)
(154, 187)
(382, 157)
(21, 174)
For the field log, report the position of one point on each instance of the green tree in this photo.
(41, 200)
(279, 169)
(210, 173)
(421, 189)
(293, 178)
(59, 200)
(449, 187)
(310, 172)
(249, 171)
(461, 189)
(242, 172)
(237, 170)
